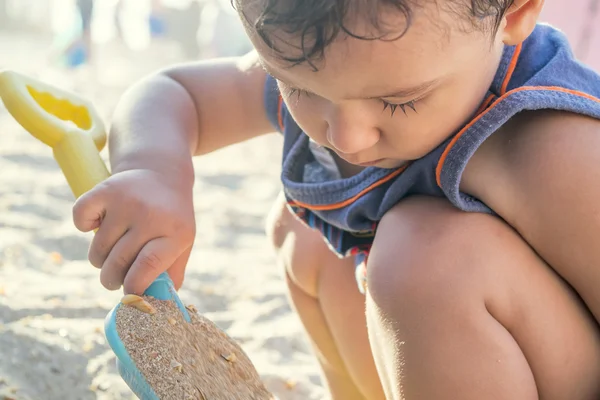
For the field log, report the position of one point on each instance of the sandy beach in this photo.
(52, 306)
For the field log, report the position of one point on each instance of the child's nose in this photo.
(352, 133)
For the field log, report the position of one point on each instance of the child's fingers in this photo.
(112, 229)
(89, 210)
(155, 258)
(177, 270)
(119, 260)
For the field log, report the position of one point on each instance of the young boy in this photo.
(455, 143)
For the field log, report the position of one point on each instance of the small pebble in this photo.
(176, 366)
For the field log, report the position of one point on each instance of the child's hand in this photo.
(146, 226)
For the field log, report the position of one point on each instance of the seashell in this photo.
(138, 303)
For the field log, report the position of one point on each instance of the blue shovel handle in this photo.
(162, 289)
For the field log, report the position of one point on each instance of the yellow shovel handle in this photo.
(64, 121)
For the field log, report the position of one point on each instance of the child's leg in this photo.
(324, 293)
(460, 307)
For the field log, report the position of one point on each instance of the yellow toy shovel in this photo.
(73, 129)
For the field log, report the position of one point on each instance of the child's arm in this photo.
(542, 175)
(144, 211)
(188, 109)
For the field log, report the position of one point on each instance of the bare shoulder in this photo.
(539, 156)
(541, 174)
(533, 136)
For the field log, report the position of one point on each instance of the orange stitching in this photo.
(344, 203)
(511, 69)
(438, 169)
(279, 112)
(485, 104)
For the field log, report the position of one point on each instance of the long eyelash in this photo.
(393, 107)
(298, 93)
(294, 92)
(386, 105)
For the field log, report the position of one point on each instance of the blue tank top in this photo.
(540, 73)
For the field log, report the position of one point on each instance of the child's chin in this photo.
(391, 163)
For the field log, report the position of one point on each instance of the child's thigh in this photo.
(325, 294)
(302, 249)
(432, 259)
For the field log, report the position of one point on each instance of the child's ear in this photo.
(520, 20)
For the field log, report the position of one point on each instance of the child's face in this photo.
(382, 103)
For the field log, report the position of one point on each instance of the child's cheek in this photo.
(310, 115)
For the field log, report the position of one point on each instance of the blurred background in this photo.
(106, 41)
(52, 306)
(580, 21)
(71, 42)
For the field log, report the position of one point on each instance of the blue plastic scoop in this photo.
(162, 288)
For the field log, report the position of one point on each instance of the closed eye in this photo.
(394, 106)
(298, 93)
(386, 104)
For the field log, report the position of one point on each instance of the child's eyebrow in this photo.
(411, 91)
(399, 93)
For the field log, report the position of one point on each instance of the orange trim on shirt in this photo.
(279, 113)
(509, 73)
(511, 68)
(485, 104)
(438, 170)
(344, 203)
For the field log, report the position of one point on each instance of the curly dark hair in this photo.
(317, 23)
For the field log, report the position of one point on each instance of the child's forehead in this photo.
(355, 68)
(421, 40)
(352, 65)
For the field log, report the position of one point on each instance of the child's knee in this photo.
(435, 271)
(277, 222)
(301, 249)
(426, 252)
